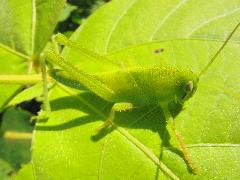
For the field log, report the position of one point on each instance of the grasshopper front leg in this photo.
(43, 115)
(117, 107)
(46, 108)
(45, 85)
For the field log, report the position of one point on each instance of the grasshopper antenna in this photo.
(220, 49)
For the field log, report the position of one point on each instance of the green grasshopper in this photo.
(131, 87)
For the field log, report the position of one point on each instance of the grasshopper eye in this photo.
(189, 86)
(188, 90)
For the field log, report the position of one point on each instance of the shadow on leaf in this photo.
(95, 108)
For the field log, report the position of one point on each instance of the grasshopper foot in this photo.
(109, 122)
(41, 117)
(105, 125)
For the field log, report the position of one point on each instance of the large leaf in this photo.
(25, 28)
(131, 30)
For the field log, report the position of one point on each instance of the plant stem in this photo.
(14, 135)
(21, 79)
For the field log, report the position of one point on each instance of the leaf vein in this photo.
(147, 152)
(116, 23)
(101, 159)
(13, 51)
(212, 20)
(212, 145)
(174, 9)
(33, 25)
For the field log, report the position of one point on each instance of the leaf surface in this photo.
(25, 28)
(190, 32)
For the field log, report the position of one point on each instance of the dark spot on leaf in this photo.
(156, 51)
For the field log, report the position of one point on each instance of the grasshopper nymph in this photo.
(132, 87)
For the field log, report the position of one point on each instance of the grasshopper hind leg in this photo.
(117, 107)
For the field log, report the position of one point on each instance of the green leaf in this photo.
(27, 25)
(190, 32)
(5, 170)
(25, 173)
(28, 94)
(67, 11)
(25, 28)
(15, 140)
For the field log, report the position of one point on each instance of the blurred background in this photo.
(15, 124)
